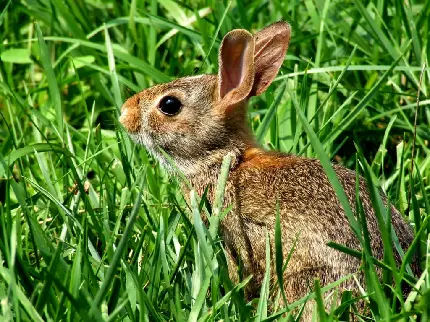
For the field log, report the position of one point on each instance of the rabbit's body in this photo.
(198, 120)
(310, 217)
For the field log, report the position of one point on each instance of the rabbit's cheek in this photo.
(162, 124)
(182, 127)
(154, 122)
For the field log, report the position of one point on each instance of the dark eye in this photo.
(170, 105)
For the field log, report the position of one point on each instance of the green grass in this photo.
(92, 229)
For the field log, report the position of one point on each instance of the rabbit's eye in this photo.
(170, 105)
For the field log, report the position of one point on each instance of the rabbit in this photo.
(198, 120)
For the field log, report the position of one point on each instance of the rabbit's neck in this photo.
(206, 168)
(206, 177)
(207, 174)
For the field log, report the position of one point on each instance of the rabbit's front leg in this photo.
(240, 253)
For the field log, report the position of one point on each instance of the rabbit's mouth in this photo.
(167, 158)
(145, 140)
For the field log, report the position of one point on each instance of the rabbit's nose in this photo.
(130, 117)
(124, 112)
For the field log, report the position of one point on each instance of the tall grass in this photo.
(92, 229)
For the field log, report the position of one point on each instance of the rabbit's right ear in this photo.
(271, 45)
(236, 67)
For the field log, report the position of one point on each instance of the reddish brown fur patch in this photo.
(131, 115)
(251, 153)
(256, 158)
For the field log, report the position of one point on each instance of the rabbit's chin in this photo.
(170, 164)
(188, 164)
(142, 139)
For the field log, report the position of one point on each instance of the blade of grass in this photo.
(362, 104)
(117, 256)
(267, 120)
(262, 307)
(54, 91)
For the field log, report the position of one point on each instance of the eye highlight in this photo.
(170, 105)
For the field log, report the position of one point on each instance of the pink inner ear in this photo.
(232, 72)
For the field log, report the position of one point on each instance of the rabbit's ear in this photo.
(236, 66)
(271, 45)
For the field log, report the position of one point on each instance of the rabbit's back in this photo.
(305, 196)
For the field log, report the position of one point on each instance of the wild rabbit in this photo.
(198, 120)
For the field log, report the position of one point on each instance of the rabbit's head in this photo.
(198, 120)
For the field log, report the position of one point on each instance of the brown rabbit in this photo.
(198, 120)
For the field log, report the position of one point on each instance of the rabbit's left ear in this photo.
(271, 45)
(236, 67)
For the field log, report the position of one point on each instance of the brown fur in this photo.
(211, 125)
(131, 119)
